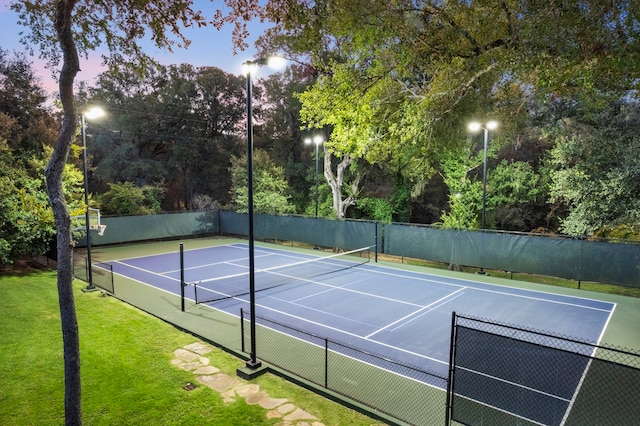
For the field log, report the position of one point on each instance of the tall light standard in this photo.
(91, 113)
(250, 67)
(475, 127)
(317, 140)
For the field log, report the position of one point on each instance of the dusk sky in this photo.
(209, 47)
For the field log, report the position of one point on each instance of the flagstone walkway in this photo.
(190, 358)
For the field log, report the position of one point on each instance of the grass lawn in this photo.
(127, 376)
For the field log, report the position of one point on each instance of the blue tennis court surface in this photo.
(401, 314)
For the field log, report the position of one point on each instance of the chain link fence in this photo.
(499, 374)
(407, 393)
(101, 273)
(504, 375)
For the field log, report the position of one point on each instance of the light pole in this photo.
(317, 140)
(249, 67)
(474, 127)
(91, 113)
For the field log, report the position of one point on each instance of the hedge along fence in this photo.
(580, 260)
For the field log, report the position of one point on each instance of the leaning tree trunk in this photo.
(53, 174)
(336, 182)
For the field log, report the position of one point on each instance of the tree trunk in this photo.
(53, 175)
(336, 181)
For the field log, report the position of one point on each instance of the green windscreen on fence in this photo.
(569, 258)
(344, 234)
(563, 257)
(153, 227)
(605, 262)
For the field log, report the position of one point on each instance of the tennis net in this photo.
(215, 289)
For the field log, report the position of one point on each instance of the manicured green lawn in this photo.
(127, 376)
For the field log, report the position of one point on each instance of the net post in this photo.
(182, 276)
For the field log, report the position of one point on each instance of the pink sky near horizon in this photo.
(209, 47)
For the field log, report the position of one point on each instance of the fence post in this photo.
(326, 363)
(376, 224)
(242, 330)
(113, 283)
(451, 361)
(182, 276)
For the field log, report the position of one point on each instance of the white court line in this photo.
(299, 280)
(502, 410)
(474, 285)
(577, 390)
(426, 312)
(584, 373)
(407, 274)
(527, 388)
(413, 379)
(334, 288)
(341, 317)
(350, 334)
(143, 270)
(606, 324)
(281, 253)
(540, 299)
(206, 265)
(429, 306)
(410, 275)
(144, 283)
(123, 261)
(224, 262)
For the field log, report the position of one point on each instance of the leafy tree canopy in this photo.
(179, 124)
(121, 26)
(25, 122)
(595, 171)
(398, 80)
(270, 187)
(27, 132)
(128, 199)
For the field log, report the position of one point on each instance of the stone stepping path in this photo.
(191, 358)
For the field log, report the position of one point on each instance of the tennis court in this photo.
(401, 314)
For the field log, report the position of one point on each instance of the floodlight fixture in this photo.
(93, 113)
(317, 140)
(474, 127)
(273, 62)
